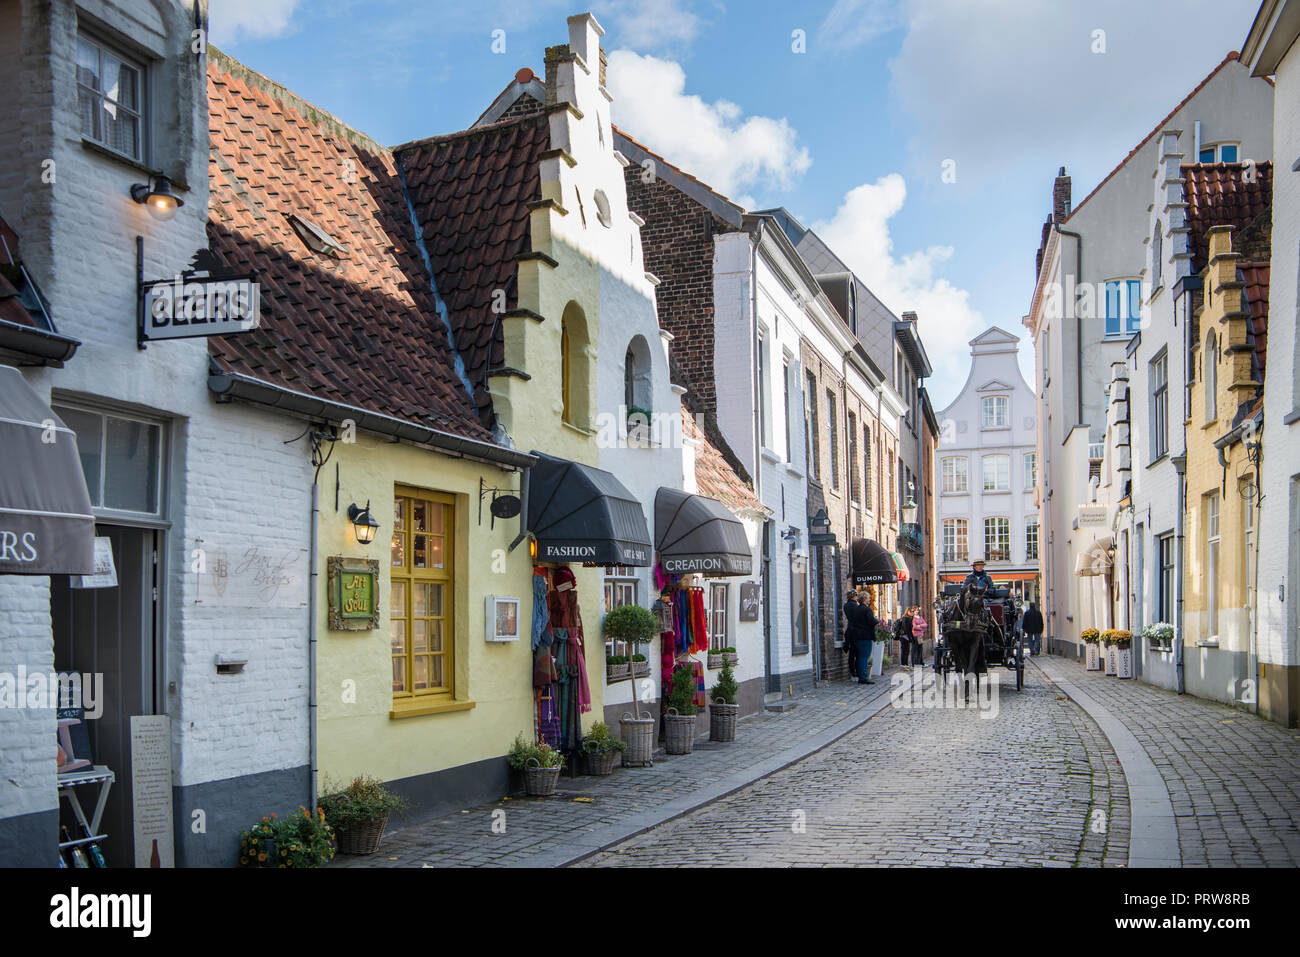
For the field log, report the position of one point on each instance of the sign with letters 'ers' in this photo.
(207, 300)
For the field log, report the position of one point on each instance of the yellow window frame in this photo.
(404, 579)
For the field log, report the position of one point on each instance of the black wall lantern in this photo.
(363, 523)
(158, 196)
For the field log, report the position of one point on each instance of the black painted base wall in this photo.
(230, 806)
(30, 840)
(802, 681)
(442, 792)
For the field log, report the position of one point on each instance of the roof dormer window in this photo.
(315, 238)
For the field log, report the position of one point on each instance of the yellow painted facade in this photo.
(1217, 586)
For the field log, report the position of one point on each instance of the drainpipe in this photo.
(311, 643)
(1180, 464)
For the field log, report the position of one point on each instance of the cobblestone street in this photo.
(847, 779)
(921, 786)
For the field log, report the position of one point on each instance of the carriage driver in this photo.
(978, 576)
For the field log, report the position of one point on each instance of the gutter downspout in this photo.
(1180, 682)
(314, 581)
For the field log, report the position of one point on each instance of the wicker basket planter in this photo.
(719, 659)
(600, 763)
(616, 672)
(362, 840)
(640, 669)
(679, 732)
(639, 736)
(715, 661)
(722, 721)
(540, 781)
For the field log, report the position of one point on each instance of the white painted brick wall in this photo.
(232, 481)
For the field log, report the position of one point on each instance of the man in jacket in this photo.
(1032, 623)
(978, 575)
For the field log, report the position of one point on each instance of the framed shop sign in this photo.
(502, 618)
(353, 593)
(749, 601)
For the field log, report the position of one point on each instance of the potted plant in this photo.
(723, 656)
(1122, 643)
(616, 667)
(301, 840)
(679, 718)
(1109, 652)
(630, 623)
(1159, 636)
(725, 708)
(600, 748)
(540, 764)
(640, 666)
(359, 812)
(1090, 638)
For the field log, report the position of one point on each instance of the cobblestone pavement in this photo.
(1233, 778)
(1036, 784)
(589, 812)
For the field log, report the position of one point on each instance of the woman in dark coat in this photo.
(862, 632)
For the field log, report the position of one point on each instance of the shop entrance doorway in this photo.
(113, 632)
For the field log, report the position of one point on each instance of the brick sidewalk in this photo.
(1233, 778)
(590, 813)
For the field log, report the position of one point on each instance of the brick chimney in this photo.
(1061, 197)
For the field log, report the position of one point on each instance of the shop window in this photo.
(620, 588)
(121, 458)
(719, 637)
(110, 97)
(422, 579)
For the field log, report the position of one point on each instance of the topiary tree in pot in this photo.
(724, 706)
(679, 713)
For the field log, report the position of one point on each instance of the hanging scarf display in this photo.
(541, 607)
(560, 664)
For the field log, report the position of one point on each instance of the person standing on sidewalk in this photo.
(1032, 624)
(862, 631)
(850, 645)
(903, 633)
(918, 633)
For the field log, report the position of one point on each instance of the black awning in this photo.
(46, 526)
(872, 563)
(579, 513)
(695, 534)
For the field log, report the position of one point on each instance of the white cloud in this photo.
(859, 234)
(234, 20)
(715, 142)
(851, 23)
(650, 25)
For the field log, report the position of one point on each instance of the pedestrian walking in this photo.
(862, 631)
(1032, 624)
(902, 631)
(850, 644)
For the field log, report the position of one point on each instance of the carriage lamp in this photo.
(909, 507)
(158, 196)
(363, 523)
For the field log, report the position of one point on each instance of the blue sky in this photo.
(853, 135)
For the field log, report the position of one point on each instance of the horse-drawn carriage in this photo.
(973, 633)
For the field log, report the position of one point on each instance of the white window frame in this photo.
(1031, 538)
(718, 636)
(1031, 470)
(956, 540)
(996, 459)
(1004, 526)
(614, 585)
(1212, 541)
(1000, 405)
(141, 114)
(950, 477)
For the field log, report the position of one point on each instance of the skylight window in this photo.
(315, 238)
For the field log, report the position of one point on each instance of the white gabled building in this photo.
(986, 468)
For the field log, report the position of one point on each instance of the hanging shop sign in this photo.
(353, 587)
(749, 601)
(207, 300)
(1094, 516)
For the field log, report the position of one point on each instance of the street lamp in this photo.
(820, 523)
(363, 523)
(909, 507)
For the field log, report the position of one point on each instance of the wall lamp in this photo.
(363, 523)
(158, 196)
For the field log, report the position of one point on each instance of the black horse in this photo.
(965, 622)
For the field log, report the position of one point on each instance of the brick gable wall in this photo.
(677, 243)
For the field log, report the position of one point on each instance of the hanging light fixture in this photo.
(158, 196)
(363, 523)
(909, 507)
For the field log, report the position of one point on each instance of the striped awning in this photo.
(46, 525)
